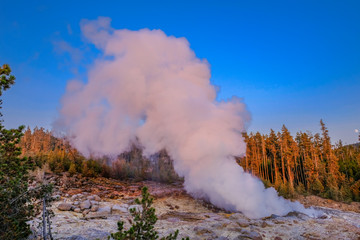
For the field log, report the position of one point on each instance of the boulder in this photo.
(86, 211)
(249, 235)
(120, 209)
(76, 237)
(137, 207)
(97, 198)
(106, 209)
(205, 232)
(78, 210)
(65, 206)
(85, 204)
(94, 208)
(91, 198)
(92, 215)
(242, 223)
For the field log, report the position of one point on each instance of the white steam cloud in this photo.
(151, 87)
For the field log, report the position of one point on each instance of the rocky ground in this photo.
(90, 208)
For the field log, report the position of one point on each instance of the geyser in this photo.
(151, 88)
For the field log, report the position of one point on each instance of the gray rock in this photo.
(94, 202)
(92, 215)
(85, 204)
(93, 233)
(97, 198)
(91, 198)
(86, 211)
(76, 237)
(119, 209)
(249, 235)
(65, 206)
(137, 207)
(205, 232)
(94, 208)
(106, 209)
(242, 223)
(78, 210)
(76, 203)
(73, 197)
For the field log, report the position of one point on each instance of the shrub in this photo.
(143, 222)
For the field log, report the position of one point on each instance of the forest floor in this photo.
(89, 208)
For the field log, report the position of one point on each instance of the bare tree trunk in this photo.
(49, 225)
(44, 219)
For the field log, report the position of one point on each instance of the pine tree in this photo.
(15, 204)
(143, 222)
(331, 162)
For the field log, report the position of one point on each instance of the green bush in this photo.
(143, 222)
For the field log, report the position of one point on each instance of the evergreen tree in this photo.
(143, 222)
(15, 203)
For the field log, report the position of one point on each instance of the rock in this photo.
(94, 202)
(222, 238)
(91, 198)
(76, 237)
(120, 209)
(85, 205)
(173, 220)
(78, 210)
(204, 232)
(242, 223)
(97, 198)
(65, 206)
(90, 233)
(219, 225)
(92, 215)
(264, 224)
(106, 209)
(137, 207)
(235, 216)
(76, 203)
(249, 235)
(94, 208)
(93, 233)
(73, 197)
(277, 238)
(86, 211)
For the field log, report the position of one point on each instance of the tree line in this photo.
(304, 164)
(43, 147)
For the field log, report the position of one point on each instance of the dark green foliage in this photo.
(16, 206)
(15, 209)
(143, 222)
(317, 187)
(6, 79)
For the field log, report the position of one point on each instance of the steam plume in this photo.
(151, 87)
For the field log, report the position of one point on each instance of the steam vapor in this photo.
(151, 87)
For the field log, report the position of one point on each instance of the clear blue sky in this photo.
(293, 62)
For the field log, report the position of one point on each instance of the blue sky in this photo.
(293, 62)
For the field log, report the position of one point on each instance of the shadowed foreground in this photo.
(92, 207)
